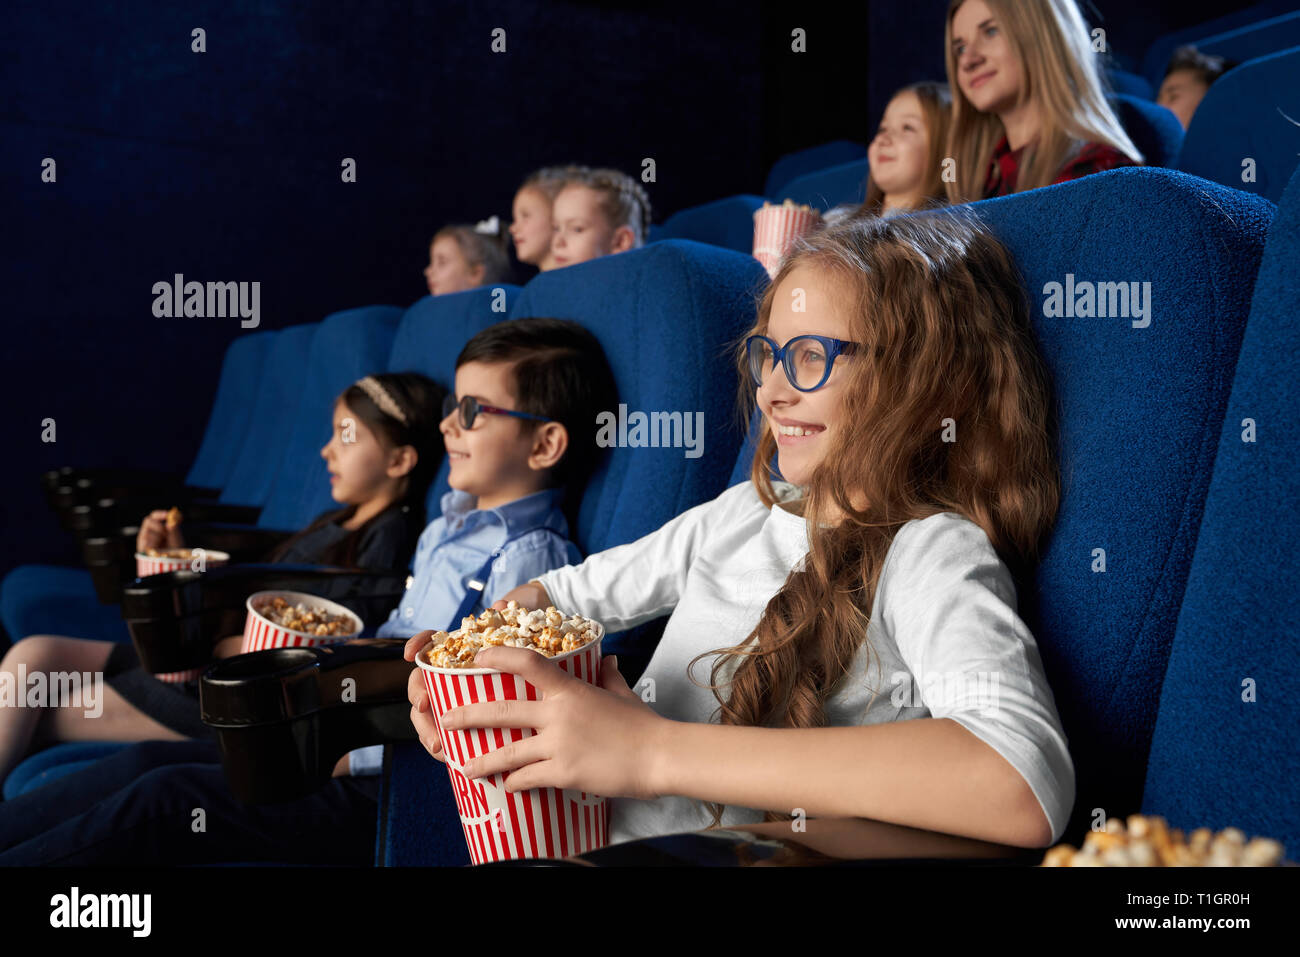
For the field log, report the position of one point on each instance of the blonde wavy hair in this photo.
(938, 304)
(1062, 77)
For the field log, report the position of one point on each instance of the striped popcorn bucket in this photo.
(260, 633)
(146, 565)
(149, 565)
(776, 228)
(542, 822)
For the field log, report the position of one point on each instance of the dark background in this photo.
(225, 166)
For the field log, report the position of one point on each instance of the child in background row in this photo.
(1187, 80)
(597, 213)
(465, 257)
(520, 445)
(1028, 104)
(905, 158)
(384, 452)
(530, 226)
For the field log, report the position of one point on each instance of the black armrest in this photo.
(175, 619)
(104, 515)
(111, 558)
(841, 842)
(111, 562)
(284, 717)
(65, 488)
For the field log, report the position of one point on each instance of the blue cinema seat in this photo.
(793, 165)
(1220, 756)
(1241, 35)
(1139, 424)
(825, 188)
(667, 317)
(1122, 81)
(241, 372)
(727, 222)
(1251, 112)
(1153, 129)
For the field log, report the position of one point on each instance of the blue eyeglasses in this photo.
(470, 408)
(807, 360)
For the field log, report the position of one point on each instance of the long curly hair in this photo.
(939, 306)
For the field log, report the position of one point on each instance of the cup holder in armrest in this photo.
(283, 717)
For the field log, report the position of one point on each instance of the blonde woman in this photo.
(1029, 108)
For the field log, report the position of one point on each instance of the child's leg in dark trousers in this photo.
(50, 805)
(185, 814)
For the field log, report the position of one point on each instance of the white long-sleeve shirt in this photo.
(945, 638)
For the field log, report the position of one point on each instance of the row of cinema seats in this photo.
(1150, 658)
(1251, 114)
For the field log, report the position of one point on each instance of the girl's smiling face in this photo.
(901, 147)
(988, 70)
(787, 410)
(530, 226)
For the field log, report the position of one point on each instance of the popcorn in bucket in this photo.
(541, 822)
(777, 227)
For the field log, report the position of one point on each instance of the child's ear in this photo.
(624, 239)
(402, 461)
(550, 442)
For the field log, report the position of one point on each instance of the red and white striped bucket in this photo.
(260, 634)
(542, 822)
(148, 565)
(776, 228)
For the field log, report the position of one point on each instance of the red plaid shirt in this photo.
(1004, 168)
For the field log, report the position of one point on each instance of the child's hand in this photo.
(425, 727)
(604, 740)
(529, 595)
(154, 533)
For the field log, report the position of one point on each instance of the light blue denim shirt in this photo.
(455, 546)
(453, 549)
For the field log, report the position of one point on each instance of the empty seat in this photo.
(793, 165)
(241, 371)
(728, 223)
(1210, 37)
(834, 186)
(1153, 129)
(1224, 752)
(1246, 132)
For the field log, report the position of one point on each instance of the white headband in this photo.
(380, 397)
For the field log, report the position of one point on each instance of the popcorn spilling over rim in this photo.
(547, 632)
(1148, 842)
(311, 621)
(802, 207)
(169, 553)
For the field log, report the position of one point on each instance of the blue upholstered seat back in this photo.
(824, 188)
(1152, 128)
(666, 316)
(1224, 749)
(273, 405)
(793, 165)
(1251, 113)
(347, 346)
(728, 223)
(1241, 35)
(241, 372)
(430, 336)
(1140, 410)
